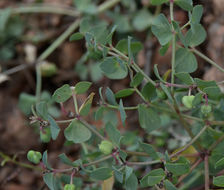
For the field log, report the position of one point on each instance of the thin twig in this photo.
(206, 173)
(190, 143)
(191, 169)
(207, 59)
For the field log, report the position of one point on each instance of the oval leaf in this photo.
(77, 132)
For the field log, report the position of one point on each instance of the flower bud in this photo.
(106, 147)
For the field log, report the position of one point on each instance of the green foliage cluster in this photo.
(128, 158)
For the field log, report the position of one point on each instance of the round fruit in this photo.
(34, 156)
(69, 187)
(106, 147)
(45, 135)
(161, 94)
(188, 101)
(206, 109)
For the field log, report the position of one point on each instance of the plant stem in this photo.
(9, 159)
(92, 129)
(173, 48)
(75, 102)
(184, 26)
(133, 64)
(48, 51)
(117, 107)
(143, 163)
(190, 143)
(140, 94)
(207, 59)
(38, 83)
(132, 153)
(59, 40)
(191, 169)
(206, 173)
(45, 8)
(98, 161)
(107, 5)
(219, 140)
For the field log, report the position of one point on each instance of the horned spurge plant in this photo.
(114, 159)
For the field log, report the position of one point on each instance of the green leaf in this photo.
(149, 150)
(99, 113)
(213, 92)
(152, 178)
(67, 161)
(85, 107)
(113, 134)
(185, 61)
(219, 181)
(163, 49)
(142, 20)
(122, 112)
(110, 96)
(45, 160)
(101, 173)
(62, 94)
(169, 185)
(82, 87)
(54, 127)
(185, 78)
(158, 2)
(128, 172)
(167, 91)
(113, 68)
(155, 69)
(161, 28)
(4, 17)
(85, 6)
(77, 132)
(197, 14)
(137, 79)
(131, 183)
(149, 91)
(25, 102)
(41, 109)
(185, 4)
(196, 35)
(148, 119)
(179, 33)
(76, 36)
(124, 93)
(219, 163)
(180, 167)
(50, 181)
(197, 99)
(122, 46)
(203, 84)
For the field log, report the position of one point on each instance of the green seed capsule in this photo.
(106, 147)
(188, 101)
(69, 187)
(34, 156)
(206, 109)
